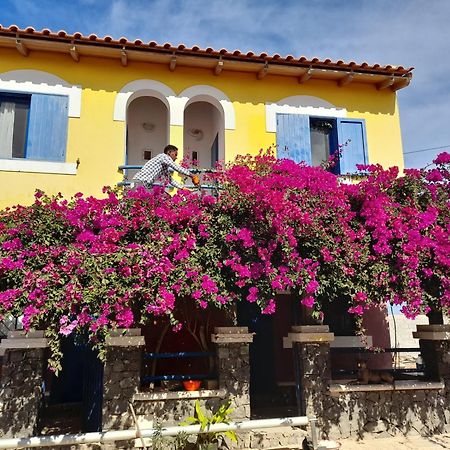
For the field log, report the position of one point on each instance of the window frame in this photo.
(24, 99)
(26, 164)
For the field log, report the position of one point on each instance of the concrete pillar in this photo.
(233, 364)
(311, 353)
(121, 377)
(21, 383)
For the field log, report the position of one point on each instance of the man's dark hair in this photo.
(170, 148)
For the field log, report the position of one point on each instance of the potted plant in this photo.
(206, 440)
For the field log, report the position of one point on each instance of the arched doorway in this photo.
(204, 134)
(147, 129)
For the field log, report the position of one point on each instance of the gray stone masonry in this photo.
(21, 391)
(315, 377)
(121, 379)
(385, 413)
(233, 366)
(371, 410)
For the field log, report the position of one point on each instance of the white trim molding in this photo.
(40, 82)
(140, 88)
(300, 104)
(204, 93)
(27, 165)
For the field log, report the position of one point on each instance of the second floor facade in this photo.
(74, 108)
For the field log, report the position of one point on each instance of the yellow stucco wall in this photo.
(99, 142)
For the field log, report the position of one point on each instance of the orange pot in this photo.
(192, 385)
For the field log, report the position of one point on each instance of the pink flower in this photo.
(176, 328)
(360, 297)
(270, 308)
(208, 285)
(442, 158)
(253, 294)
(308, 301)
(356, 310)
(312, 286)
(124, 318)
(67, 327)
(14, 244)
(434, 175)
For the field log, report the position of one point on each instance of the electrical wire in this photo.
(426, 149)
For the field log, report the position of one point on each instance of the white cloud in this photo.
(401, 32)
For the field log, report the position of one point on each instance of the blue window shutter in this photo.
(47, 129)
(352, 131)
(293, 137)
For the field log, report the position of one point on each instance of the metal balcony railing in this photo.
(126, 182)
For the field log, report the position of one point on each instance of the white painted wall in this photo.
(150, 111)
(205, 117)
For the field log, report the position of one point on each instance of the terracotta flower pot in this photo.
(192, 385)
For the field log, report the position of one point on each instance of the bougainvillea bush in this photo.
(95, 264)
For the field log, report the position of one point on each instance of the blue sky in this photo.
(399, 32)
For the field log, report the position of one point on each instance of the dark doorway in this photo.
(272, 391)
(75, 395)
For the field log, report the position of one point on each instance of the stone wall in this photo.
(172, 411)
(408, 407)
(356, 414)
(21, 386)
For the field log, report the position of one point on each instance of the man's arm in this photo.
(174, 166)
(174, 183)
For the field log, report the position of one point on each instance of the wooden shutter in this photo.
(352, 131)
(293, 137)
(47, 130)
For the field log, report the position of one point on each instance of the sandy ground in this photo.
(398, 443)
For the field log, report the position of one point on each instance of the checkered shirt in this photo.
(161, 167)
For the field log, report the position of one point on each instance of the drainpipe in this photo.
(124, 435)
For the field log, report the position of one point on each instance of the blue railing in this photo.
(126, 182)
(176, 377)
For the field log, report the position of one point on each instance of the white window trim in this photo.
(39, 82)
(301, 104)
(27, 165)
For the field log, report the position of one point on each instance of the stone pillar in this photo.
(21, 383)
(311, 353)
(233, 364)
(121, 377)
(434, 342)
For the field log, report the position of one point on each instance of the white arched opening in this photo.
(138, 88)
(210, 94)
(147, 129)
(204, 132)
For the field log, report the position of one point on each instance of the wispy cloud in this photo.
(403, 32)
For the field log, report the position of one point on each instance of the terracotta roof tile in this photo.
(250, 56)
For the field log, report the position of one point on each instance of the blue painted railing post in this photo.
(121, 377)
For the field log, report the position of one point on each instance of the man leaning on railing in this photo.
(161, 168)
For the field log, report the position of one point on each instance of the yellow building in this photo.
(74, 108)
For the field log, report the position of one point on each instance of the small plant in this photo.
(211, 441)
